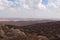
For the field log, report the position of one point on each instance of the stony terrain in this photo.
(38, 31)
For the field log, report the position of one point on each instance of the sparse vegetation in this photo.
(39, 31)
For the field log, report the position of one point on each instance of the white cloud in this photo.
(1, 6)
(26, 6)
(54, 3)
(52, 10)
(41, 6)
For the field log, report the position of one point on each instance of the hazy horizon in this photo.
(27, 19)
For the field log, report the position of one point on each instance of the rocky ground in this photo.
(39, 31)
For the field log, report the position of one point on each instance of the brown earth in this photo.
(24, 23)
(35, 31)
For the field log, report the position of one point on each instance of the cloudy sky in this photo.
(49, 9)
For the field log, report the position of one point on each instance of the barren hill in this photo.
(35, 30)
(24, 23)
(49, 29)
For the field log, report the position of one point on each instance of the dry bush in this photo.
(42, 38)
(7, 33)
(40, 31)
(16, 34)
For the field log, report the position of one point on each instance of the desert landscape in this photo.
(29, 19)
(30, 30)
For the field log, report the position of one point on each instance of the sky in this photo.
(44, 2)
(49, 9)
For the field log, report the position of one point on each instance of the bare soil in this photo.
(32, 31)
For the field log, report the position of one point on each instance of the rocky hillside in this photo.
(38, 31)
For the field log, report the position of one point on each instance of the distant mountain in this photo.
(23, 22)
(25, 19)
